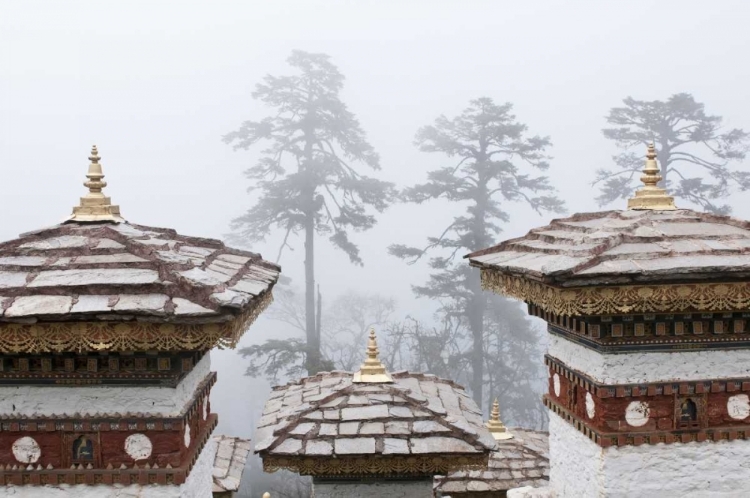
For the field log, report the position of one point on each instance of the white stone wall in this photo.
(529, 492)
(89, 400)
(381, 489)
(581, 469)
(197, 485)
(635, 368)
(575, 461)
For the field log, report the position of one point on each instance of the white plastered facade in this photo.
(579, 468)
(385, 489)
(197, 485)
(636, 368)
(27, 401)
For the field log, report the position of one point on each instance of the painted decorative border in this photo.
(606, 440)
(127, 336)
(375, 465)
(142, 476)
(621, 299)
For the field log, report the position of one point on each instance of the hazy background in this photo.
(156, 84)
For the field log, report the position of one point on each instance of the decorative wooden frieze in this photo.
(166, 369)
(613, 300)
(127, 336)
(374, 465)
(653, 332)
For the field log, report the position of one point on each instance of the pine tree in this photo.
(309, 178)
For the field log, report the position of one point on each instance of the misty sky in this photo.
(156, 84)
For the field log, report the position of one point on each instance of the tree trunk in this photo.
(311, 332)
(313, 341)
(476, 311)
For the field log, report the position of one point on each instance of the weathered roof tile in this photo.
(624, 246)
(123, 271)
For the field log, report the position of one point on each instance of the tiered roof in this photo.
(229, 462)
(96, 267)
(624, 247)
(318, 424)
(649, 258)
(521, 461)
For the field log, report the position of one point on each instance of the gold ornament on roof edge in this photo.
(372, 370)
(95, 206)
(650, 196)
(496, 427)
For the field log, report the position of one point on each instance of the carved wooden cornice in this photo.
(127, 336)
(600, 300)
(374, 465)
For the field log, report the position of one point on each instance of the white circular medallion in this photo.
(138, 446)
(187, 436)
(556, 384)
(590, 406)
(738, 406)
(637, 413)
(26, 450)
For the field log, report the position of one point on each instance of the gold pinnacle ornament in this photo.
(95, 206)
(372, 370)
(650, 196)
(496, 427)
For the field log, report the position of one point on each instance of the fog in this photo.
(155, 85)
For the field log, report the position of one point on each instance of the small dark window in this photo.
(83, 449)
(688, 414)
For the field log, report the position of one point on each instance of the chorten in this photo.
(648, 314)
(372, 433)
(106, 329)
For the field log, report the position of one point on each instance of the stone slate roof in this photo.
(625, 247)
(517, 462)
(105, 271)
(328, 415)
(229, 462)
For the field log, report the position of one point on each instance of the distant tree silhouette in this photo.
(491, 159)
(693, 150)
(309, 177)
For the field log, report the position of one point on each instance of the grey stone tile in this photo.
(348, 428)
(355, 446)
(99, 276)
(438, 444)
(152, 304)
(365, 412)
(288, 447)
(39, 305)
(372, 428)
(318, 448)
(428, 426)
(12, 279)
(93, 304)
(183, 307)
(397, 428)
(393, 446)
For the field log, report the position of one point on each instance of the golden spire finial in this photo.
(496, 427)
(95, 206)
(372, 370)
(651, 196)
